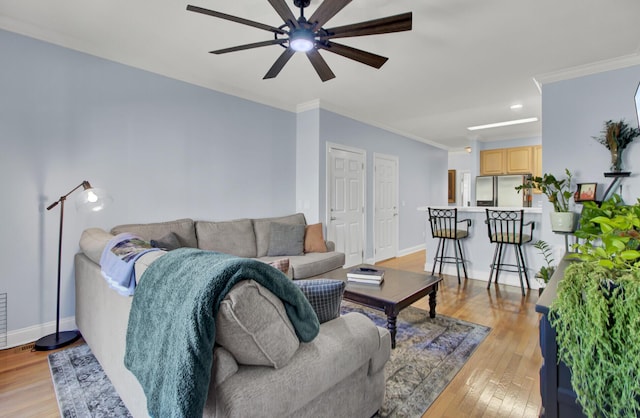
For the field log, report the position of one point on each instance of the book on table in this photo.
(365, 275)
(376, 282)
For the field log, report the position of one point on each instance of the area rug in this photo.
(82, 388)
(428, 355)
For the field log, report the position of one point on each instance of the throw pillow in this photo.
(324, 295)
(168, 242)
(252, 324)
(313, 239)
(286, 239)
(281, 264)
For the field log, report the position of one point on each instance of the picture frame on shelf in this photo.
(586, 192)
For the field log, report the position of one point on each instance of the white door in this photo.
(385, 226)
(345, 212)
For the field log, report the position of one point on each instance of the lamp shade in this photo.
(92, 200)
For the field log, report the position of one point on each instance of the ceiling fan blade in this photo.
(355, 54)
(320, 65)
(279, 64)
(285, 12)
(249, 46)
(326, 10)
(397, 23)
(235, 19)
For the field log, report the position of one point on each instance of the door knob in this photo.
(333, 218)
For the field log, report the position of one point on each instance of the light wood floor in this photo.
(500, 379)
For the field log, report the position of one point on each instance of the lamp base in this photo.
(53, 341)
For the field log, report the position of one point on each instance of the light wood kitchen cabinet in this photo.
(520, 160)
(517, 160)
(493, 162)
(537, 161)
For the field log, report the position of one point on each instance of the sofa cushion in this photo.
(286, 239)
(324, 295)
(231, 237)
(168, 242)
(182, 228)
(262, 228)
(93, 241)
(253, 326)
(314, 240)
(313, 264)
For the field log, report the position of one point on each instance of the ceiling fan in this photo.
(302, 35)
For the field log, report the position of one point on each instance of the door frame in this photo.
(395, 159)
(327, 214)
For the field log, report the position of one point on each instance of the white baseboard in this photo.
(401, 253)
(30, 334)
(411, 250)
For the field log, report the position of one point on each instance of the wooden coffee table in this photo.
(398, 290)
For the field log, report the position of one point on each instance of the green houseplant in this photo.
(558, 192)
(547, 270)
(596, 314)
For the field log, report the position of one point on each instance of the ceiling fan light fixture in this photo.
(301, 40)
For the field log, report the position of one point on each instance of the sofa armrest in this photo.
(380, 357)
(343, 346)
(331, 246)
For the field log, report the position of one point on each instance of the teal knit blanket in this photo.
(171, 330)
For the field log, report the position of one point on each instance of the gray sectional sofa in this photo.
(340, 373)
(240, 237)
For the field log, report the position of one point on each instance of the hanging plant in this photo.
(596, 314)
(597, 323)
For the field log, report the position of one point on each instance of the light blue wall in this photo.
(164, 149)
(422, 173)
(573, 111)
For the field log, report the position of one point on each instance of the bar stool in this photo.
(506, 227)
(444, 226)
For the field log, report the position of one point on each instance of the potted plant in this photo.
(546, 271)
(558, 192)
(596, 314)
(616, 136)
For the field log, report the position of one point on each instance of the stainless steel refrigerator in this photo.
(501, 191)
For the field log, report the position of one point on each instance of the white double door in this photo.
(346, 204)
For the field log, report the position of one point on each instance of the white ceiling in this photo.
(464, 63)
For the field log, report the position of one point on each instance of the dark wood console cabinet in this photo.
(558, 397)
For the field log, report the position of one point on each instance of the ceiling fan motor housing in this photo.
(301, 3)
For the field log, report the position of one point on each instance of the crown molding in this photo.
(588, 69)
(318, 104)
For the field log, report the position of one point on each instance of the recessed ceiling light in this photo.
(499, 124)
(516, 106)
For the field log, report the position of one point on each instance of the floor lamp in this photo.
(92, 200)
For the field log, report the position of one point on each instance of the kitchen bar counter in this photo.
(478, 251)
(481, 209)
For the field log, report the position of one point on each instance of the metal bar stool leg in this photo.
(519, 266)
(493, 265)
(435, 258)
(457, 258)
(499, 265)
(464, 268)
(444, 245)
(524, 266)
